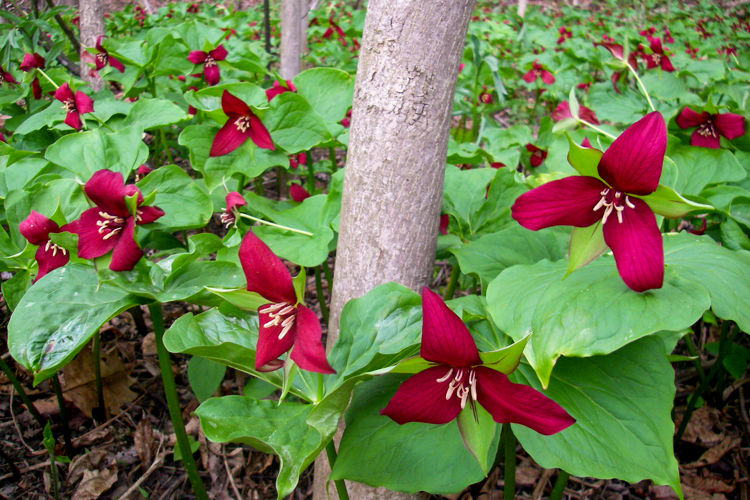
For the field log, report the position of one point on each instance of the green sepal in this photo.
(667, 202)
(573, 102)
(131, 202)
(149, 199)
(584, 160)
(709, 107)
(616, 63)
(58, 217)
(299, 282)
(477, 432)
(505, 360)
(408, 365)
(565, 125)
(240, 297)
(290, 370)
(66, 240)
(676, 358)
(586, 244)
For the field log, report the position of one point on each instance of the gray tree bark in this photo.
(291, 38)
(521, 8)
(91, 25)
(406, 79)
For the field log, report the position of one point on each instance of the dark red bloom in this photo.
(30, 63)
(233, 200)
(242, 124)
(710, 127)
(565, 33)
(297, 159)
(347, 121)
(538, 71)
(143, 171)
(298, 193)
(208, 59)
(6, 77)
(657, 58)
(109, 226)
(285, 323)
(74, 104)
(102, 57)
(537, 155)
(278, 88)
(459, 377)
(444, 221)
(36, 228)
(563, 111)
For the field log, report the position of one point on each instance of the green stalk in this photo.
(165, 146)
(98, 377)
(63, 415)
(450, 290)
(340, 484)
(694, 352)
(332, 156)
(310, 174)
(509, 488)
(594, 127)
(299, 231)
(327, 272)
(319, 291)
(22, 393)
(643, 87)
(241, 183)
(170, 392)
(259, 185)
(560, 484)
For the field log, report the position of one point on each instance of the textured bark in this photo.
(521, 8)
(390, 210)
(92, 25)
(291, 45)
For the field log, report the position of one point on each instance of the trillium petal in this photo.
(561, 112)
(73, 120)
(91, 242)
(656, 45)
(219, 53)
(519, 404)
(564, 202)
(632, 164)
(49, 258)
(547, 77)
(730, 125)
(637, 246)
(259, 133)
(445, 338)
(689, 118)
(211, 74)
(529, 77)
(704, 141)
(234, 107)
(298, 193)
(84, 104)
(107, 190)
(420, 398)
(234, 199)
(147, 215)
(36, 228)
(228, 138)
(197, 56)
(265, 273)
(614, 48)
(270, 346)
(126, 253)
(588, 115)
(99, 45)
(116, 64)
(666, 64)
(308, 351)
(36, 89)
(64, 93)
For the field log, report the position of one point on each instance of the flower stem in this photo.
(694, 352)
(259, 185)
(334, 162)
(643, 88)
(560, 483)
(63, 415)
(327, 272)
(340, 484)
(274, 225)
(509, 488)
(166, 147)
(594, 127)
(22, 393)
(170, 392)
(48, 78)
(310, 174)
(98, 377)
(319, 291)
(450, 290)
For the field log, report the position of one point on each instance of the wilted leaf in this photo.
(97, 471)
(145, 443)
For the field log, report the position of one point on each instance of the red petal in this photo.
(730, 125)
(444, 221)
(73, 120)
(91, 242)
(298, 193)
(116, 64)
(265, 273)
(30, 62)
(420, 398)
(704, 141)
(547, 77)
(308, 351)
(107, 190)
(49, 259)
(147, 215)
(234, 107)
(529, 77)
(234, 199)
(269, 346)
(666, 64)
(564, 202)
(39, 60)
(615, 49)
(228, 138)
(98, 45)
(259, 134)
(445, 338)
(36, 89)
(219, 53)
(588, 115)
(126, 253)
(586, 143)
(656, 46)
(36, 228)
(197, 56)
(211, 74)
(84, 104)
(561, 112)
(519, 404)
(632, 164)
(689, 118)
(637, 246)
(70, 227)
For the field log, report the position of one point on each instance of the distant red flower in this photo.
(565, 33)
(193, 8)
(443, 226)
(347, 121)
(298, 193)
(74, 104)
(233, 200)
(537, 155)
(297, 159)
(143, 171)
(30, 63)
(209, 61)
(710, 127)
(485, 97)
(563, 111)
(6, 77)
(657, 58)
(102, 57)
(36, 228)
(229, 32)
(584, 86)
(242, 124)
(278, 89)
(538, 71)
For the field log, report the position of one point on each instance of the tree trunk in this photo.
(92, 25)
(522, 8)
(390, 210)
(291, 45)
(304, 9)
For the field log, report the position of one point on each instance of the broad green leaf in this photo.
(185, 204)
(626, 108)
(666, 86)
(58, 315)
(149, 114)
(404, 457)
(733, 237)
(622, 404)
(15, 288)
(293, 123)
(699, 167)
(196, 35)
(584, 160)
(205, 377)
(665, 201)
(209, 99)
(478, 434)
(328, 90)
(191, 281)
(87, 152)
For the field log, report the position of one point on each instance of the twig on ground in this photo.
(158, 461)
(229, 473)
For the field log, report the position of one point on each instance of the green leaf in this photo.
(176, 191)
(87, 152)
(505, 360)
(328, 90)
(733, 237)
(584, 160)
(622, 404)
(154, 113)
(300, 284)
(573, 102)
(205, 377)
(665, 201)
(699, 167)
(294, 125)
(258, 389)
(402, 457)
(478, 434)
(209, 99)
(15, 288)
(194, 445)
(586, 244)
(59, 315)
(240, 297)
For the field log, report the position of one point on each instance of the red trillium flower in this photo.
(6, 77)
(710, 127)
(242, 124)
(629, 170)
(298, 193)
(74, 104)
(36, 228)
(444, 222)
(297, 160)
(565, 33)
(538, 71)
(658, 59)
(29, 63)
(109, 225)
(233, 200)
(347, 121)
(102, 57)
(485, 97)
(278, 88)
(285, 323)
(458, 378)
(208, 60)
(143, 171)
(563, 111)
(537, 155)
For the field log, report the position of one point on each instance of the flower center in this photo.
(54, 248)
(69, 105)
(102, 57)
(612, 200)
(111, 225)
(282, 313)
(462, 384)
(537, 73)
(707, 129)
(209, 62)
(656, 58)
(227, 217)
(243, 123)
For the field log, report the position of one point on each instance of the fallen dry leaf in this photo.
(527, 475)
(714, 454)
(148, 345)
(145, 443)
(700, 428)
(91, 437)
(97, 471)
(80, 382)
(707, 484)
